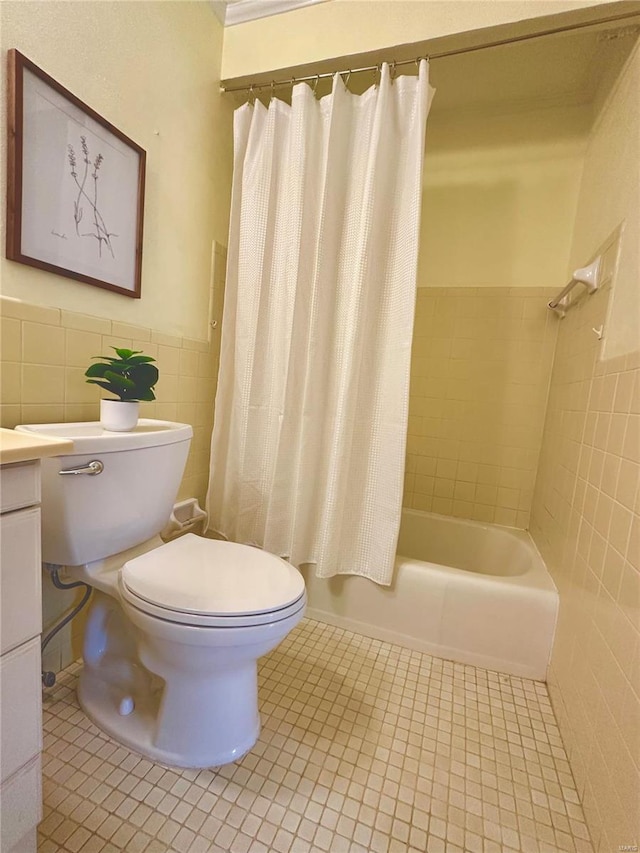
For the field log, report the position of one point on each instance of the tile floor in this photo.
(365, 746)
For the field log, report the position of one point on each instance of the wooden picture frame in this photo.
(75, 185)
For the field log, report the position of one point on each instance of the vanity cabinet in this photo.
(20, 668)
(20, 630)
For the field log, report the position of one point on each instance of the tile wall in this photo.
(45, 352)
(586, 522)
(481, 366)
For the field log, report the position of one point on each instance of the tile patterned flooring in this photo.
(366, 747)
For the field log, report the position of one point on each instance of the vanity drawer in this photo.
(21, 599)
(19, 485)
(20, 707)
(21, 808)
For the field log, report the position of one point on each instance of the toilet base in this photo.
(101, 700)
(180, 705)
(182, 695)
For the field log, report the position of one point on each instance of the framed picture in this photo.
(75, 185)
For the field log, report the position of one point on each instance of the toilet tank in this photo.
(87, 517)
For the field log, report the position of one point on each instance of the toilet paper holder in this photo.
(187, 516)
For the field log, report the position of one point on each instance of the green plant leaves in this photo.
(131, 376)
(104, 385)
(140, 359)
(121, 382)
(97, 369)
(144, 374)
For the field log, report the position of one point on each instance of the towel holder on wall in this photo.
(585, 275)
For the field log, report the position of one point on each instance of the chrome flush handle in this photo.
(92, 468)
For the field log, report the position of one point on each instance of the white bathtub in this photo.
(465, 591)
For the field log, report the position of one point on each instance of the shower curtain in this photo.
(307, 454)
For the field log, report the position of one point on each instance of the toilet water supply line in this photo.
(49, 678)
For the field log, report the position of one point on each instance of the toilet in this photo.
(175, 630)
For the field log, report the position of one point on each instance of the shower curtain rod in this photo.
(290, 81)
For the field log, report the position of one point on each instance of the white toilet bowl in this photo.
(171, 650)
(175, 630)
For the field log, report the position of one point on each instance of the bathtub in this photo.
(465, 591)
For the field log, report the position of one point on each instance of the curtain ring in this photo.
(378, 75)
(347, 78)
(392, 72)
(315, 84)
(252, 94)
(273, 90)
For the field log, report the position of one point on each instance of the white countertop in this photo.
(20, 446)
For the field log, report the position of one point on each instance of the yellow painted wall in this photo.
(152, 70)
(345, 27)
(586, 508)
(500, 195)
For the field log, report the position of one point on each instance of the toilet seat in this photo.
(211, 583)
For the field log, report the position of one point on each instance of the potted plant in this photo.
(130, 378)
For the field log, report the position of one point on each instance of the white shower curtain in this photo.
(308, 446)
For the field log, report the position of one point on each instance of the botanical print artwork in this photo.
(75, 186)
(98, 228)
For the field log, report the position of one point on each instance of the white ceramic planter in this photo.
(119, 415)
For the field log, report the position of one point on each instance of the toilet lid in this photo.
(209, 577)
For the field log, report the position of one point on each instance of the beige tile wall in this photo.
(586, 523)
(45, 352)
(43, 355)
(481, 365)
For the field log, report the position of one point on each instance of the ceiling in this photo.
(232, 12)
